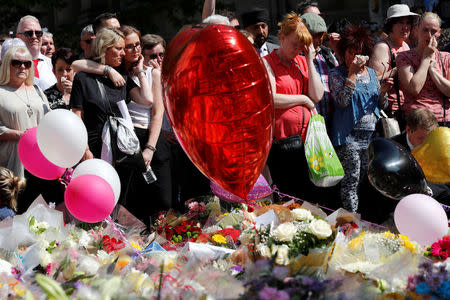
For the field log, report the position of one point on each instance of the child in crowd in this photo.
(10, 186)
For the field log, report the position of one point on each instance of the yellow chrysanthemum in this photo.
(218, 238)
(407, 243)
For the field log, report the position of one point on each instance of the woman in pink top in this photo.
(398, 27)
(423, 71)
(296, 86)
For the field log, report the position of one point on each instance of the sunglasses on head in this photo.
(30, 33)
(155, 56)
(18, 63)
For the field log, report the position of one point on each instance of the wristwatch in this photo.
(139, 71)
(150, 147)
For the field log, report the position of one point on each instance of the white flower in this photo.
(43, 244)
(320, 228)
(282, 252)
(5, 267)
(285, 232)
(263, 250)
(44, 258)
(88, 265)
(302, 214)
(84, 239)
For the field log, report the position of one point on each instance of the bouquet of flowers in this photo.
(267, 281)
(433, 280)
(376, 256)
(440, 250)
(306, 242)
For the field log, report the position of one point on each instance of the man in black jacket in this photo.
(256, 22)
(419, 124)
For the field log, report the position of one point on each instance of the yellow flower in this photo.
(136, 246)
(316, 162)
(357, 242)
(407, 243)
(218, 238)
(389, 235)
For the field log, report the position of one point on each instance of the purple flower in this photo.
(280, 272)
(237, 268)
(433, 281)
(427, 267)
(269, 293)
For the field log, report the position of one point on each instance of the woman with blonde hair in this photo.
(296, 87)
(22, 104)
(95, 97)
(10, 186)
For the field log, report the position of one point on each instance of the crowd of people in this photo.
(345, 72)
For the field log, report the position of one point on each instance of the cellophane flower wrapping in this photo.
(384, 257)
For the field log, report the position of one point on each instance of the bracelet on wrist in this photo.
(106, 70)
(150, 147)
(139, 71)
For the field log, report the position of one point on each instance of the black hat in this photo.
(254, 16)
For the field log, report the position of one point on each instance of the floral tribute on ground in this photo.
(217, 250)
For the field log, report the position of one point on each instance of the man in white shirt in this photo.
(30, 31)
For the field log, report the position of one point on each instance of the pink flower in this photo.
(441, 248)
(193, 205)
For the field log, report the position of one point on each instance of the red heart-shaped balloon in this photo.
(219, 101)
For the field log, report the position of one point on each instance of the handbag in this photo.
(290, 144)
(324, 166)
(388, 127)
(124, 141)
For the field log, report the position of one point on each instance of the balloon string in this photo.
(275, 190)
(66, 177)
(122, 236)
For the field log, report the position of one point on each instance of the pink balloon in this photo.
(421, 218)
(33, 160)
(260, 190)
(89, 198)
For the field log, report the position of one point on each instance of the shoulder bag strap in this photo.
(444, 73)
(105, 101)
(303, 92)
(38, 91)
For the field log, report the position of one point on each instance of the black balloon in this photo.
(393, 171)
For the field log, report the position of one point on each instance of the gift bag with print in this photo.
(324, 167)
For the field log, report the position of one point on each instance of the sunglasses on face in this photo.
(30, 33)
(88, 41)
(18, 63)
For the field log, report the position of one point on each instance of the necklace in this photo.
(29, 109)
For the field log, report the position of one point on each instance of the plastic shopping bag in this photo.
(324, 166)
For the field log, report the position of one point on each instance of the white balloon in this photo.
(421, 218)
(102, 169)
(62, 137)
